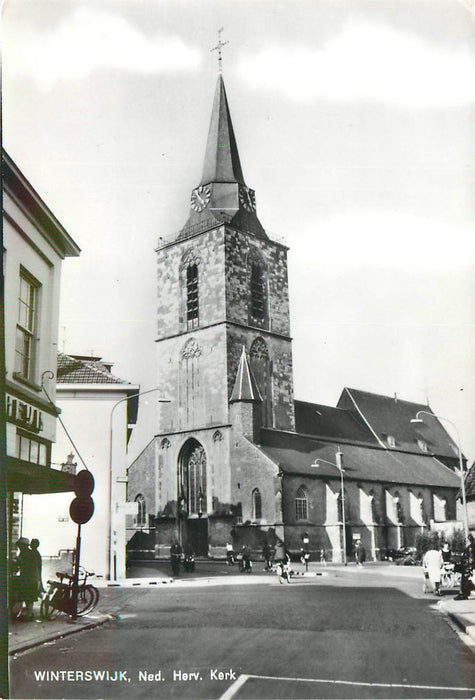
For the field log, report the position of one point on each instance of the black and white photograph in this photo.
(239, 309)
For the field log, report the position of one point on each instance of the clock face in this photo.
(200, 198)
(247, 198)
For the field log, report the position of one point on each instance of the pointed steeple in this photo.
(245, 386)
(221, 163)
(222, 195)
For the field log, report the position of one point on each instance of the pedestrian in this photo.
(27, 577)
(432, 564)
(279, 555)
(323, 557)
(267, 555)
(175, 557)
(229, 554)
(360, 553)
(446, 553)
(468, 567)
(34, 544)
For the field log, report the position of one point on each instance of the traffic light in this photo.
(81, 509)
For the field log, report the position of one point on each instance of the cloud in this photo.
(89, 39)
(366, 62)
(396, 240)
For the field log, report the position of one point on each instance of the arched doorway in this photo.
(192, 497)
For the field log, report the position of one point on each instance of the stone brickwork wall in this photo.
(192, 373)
(207, 251)
(251, 470)
(142, 479)
(240, 249)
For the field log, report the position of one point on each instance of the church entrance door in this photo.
(197, 535)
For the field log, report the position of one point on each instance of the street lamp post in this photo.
(111, 568)
(459, 450)
(339, 466)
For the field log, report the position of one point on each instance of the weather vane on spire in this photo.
(218, 48)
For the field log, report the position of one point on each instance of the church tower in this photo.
(224, 347)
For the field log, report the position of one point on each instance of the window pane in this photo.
(192, 292)
(24, 449)
(34, 451)
(24, 345)
(257, 292)
(43, 454)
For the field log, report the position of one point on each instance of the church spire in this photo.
(222, 195)
(221, 163)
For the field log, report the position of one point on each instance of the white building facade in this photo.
(35, 245)
(98, 410)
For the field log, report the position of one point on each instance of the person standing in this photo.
(446, 553)
(360, 553)
(468, 567)
(229, 554)
(432, 564)
(34, 544)
(175, 557)
(267, 555)
(27, 578)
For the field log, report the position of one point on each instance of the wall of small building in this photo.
(86, 412)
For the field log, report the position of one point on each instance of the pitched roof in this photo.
(470, 483)
(326, 421)
(391, 416)
(245, 386)
(295, 454)
(76, 369)
(221, 163)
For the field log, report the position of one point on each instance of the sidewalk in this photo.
(26, 635)
(462, 612)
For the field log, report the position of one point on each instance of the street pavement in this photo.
(336, 632)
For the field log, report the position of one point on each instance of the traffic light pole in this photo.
(74, 601)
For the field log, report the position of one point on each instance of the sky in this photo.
(355, 126)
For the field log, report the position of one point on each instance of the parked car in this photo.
(404, 556)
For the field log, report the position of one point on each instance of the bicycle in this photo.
(15, 600)
(448, 578)
(283, 571)
(59, 597)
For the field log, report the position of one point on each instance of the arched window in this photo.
(192, 478)
(301, 504)
(422, 508)
(256, 505)
(261, 366)
(258, 296)
(399, 508)
(257, 281)
(375, 506)
(192, 307)
(141, 517)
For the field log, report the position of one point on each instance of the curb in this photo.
(459, 620)
(107, 617)
(132, 583)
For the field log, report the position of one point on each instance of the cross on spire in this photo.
(218, 48)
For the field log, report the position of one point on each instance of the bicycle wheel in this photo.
(15, 609)
(88, 597)
(51, 605)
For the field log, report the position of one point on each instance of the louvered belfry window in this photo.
(257, 291)
(192, 307)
